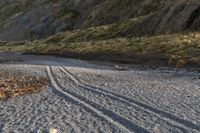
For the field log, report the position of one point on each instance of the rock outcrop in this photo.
(177, 16)
(29, 20)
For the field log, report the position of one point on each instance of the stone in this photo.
(53, 130)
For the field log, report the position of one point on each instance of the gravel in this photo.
(89, 97)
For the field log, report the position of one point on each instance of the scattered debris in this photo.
(20, 85)
(120, 68)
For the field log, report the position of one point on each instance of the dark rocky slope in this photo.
(178, 16)
(28, 20)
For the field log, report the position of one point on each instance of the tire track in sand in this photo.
(104, 113)
(133, 102)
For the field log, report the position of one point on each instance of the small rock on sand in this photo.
(53, 130)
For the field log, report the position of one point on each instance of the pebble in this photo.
(53, 130)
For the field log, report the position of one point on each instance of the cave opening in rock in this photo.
(193, 22)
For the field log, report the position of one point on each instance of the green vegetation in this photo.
(9, 8)
(95, 33)
(176, 49)
(107, 42)
(67, 14)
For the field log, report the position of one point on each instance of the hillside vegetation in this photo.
(143, 32)
(98, 43)
(42, 18)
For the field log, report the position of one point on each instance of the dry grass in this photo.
(179, 50)
(20, 85)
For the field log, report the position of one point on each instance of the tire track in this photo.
(177, 126)
(132, 102)
(104, 113)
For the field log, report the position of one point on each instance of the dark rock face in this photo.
(42, 18)
(193, 21)
(175, 17)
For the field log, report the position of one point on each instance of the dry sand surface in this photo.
(87, 97)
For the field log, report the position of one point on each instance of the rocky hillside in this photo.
(137, 31)
(176, 16)
(28, 19)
